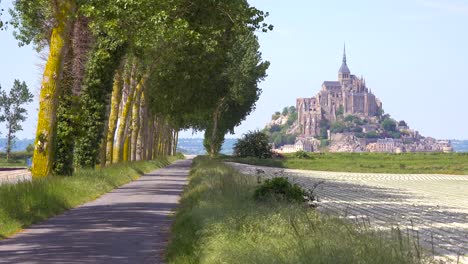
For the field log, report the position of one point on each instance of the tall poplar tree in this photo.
(13, 111)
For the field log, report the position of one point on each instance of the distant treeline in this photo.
(19, 144)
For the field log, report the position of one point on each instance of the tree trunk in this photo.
(113, 116)
(135, 122)
(124, 116)
(46, 127)
(214, 132)
(151, 135)
(141, 137)
(9, 139)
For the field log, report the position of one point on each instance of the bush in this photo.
(279, 189)
(253, 144)
(275, 128)
(389, 125)
(301, 155)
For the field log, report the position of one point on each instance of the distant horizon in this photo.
(410, 52)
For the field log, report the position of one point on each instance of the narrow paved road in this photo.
(433, 207)
(129, 225)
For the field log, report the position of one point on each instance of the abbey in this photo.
(347, 96)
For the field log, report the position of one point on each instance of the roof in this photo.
(344, 68)
(331, 83)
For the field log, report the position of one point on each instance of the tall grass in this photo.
(26, 203)
(431, 163)
(219, 222)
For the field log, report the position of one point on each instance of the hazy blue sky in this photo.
(413, 54)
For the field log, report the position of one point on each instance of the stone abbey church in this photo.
(348, 95)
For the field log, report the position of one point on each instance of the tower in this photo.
(344, 73)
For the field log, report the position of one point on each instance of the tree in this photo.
(389, 125)
(1, 22)
(13, 112)
(253, 144)
(46, 23)
(285, 111)
(340, 111)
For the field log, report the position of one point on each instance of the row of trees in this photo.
(123, 77)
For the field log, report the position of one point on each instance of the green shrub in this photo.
(253, 144)
(301, 155)
(279, 189)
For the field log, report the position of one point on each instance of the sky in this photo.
(412, 53)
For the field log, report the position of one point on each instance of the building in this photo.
(302, 144)
(349, 95)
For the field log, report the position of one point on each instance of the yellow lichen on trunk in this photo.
(135, 122)
(46, 128)
(113, 116)
(125, 118)
(126, 149)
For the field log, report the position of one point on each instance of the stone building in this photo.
(349, 95)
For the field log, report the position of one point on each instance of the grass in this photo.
(407, 163)
(219, 221)
(17, 159)
(26, 203)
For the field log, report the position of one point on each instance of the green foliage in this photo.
(30, 148)
(372, 134)
(13, 111)
(27, 203)
(389, 125)
(253, 144)
(324, 143)
(279, 189)
(97, 86)
(275, 128)
(1, 22)
(324, 127)
(301, 155)
(68, 124)
(402, 123)
(285, 111)
(219, 220)
(33, 21)
(338, 127)
(292, 118)
(340, 111)
(414, 163)
(395, 135)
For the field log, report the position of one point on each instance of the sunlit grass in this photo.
(218, 221)
(412, 163)
(26, 203)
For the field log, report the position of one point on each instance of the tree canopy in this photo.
(123, 77)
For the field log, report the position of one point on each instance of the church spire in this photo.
(344, 53)
(344, 71)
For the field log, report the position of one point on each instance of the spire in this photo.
(344, 67)
(344, 53)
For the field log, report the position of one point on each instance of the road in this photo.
(128, 225)
(436, 206)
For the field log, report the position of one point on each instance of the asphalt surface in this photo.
(129, 225)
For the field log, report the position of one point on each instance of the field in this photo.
(407, 163)
(17, 159)
(218, 219)
(26, 203)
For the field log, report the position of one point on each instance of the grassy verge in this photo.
(218, 221)
(408, 163)
(26, 203)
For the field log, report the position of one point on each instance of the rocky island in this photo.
(345, 116)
